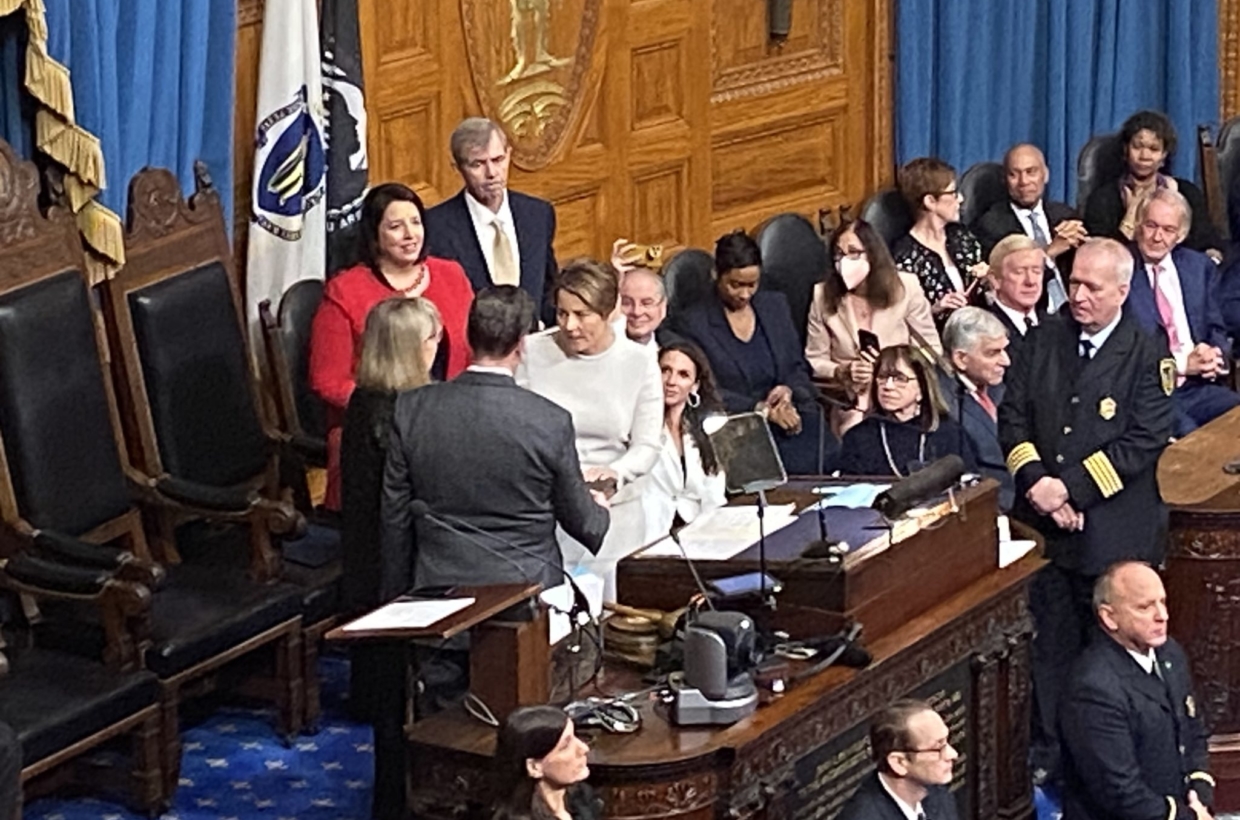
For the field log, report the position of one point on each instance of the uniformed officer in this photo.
(1134, 741)
(1086, 414)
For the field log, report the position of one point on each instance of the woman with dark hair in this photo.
(862, 293)
(909, 427)
(756, 354)
(610, 385)
(394, 263)
(686, 481)
(542, 767)
(1148, 139)
(942, 253)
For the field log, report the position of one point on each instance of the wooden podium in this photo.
(962, 644)
(1203, 583)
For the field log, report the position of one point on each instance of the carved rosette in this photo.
(531, 65)
(29, 239)
(157, 207)
(1212, 543)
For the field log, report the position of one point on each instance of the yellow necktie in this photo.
(503, 266)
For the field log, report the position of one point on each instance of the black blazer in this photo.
(483, 450)
(1104, 210)
(862, 453)
(706, 325)
(1133, 745)
(871, 802)
(1099, 425)
(450, 235)
(363, 450)
(982, 432)
(1000, 220)
(1016, 339)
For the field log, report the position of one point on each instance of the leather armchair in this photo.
(1101, 159)
(889, 214)
(982, 185)
(794, 259)
(688, 279)
(1229, 172)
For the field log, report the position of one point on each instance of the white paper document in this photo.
(1012, 551)
(857, 496)
(408, 614)
(723, 532)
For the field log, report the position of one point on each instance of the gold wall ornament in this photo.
(530, 62)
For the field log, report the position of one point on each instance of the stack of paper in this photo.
(409, 614)
(723, 532)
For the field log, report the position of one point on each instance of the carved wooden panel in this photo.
(659, 83)
(661, 205)
(408, 30)
(746, 61)
(404, 152)
(776, 163)
(577, 217)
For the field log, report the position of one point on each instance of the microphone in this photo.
(921, 485)
(579, 614)
(697, 579)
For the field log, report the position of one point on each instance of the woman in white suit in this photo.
(685, 480)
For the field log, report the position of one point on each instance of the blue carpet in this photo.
(235, 765)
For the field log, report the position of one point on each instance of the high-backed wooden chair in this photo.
(63, 495)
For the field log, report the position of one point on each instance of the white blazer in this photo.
(667, 489)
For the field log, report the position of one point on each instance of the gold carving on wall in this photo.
(516, 53)
(1229, 57)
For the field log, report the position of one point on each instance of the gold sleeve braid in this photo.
(1102, 471)
(1022, 454)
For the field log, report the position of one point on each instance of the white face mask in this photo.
(854, 271)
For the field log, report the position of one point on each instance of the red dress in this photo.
(336, 336)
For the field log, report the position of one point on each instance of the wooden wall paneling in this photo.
(249, 43)
(1229, 57)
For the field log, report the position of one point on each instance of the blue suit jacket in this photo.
(1199, 280)
(450, 235)
(983, 431)
(706, 324)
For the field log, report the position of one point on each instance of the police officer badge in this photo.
(1166, 374)
(1190, 706)
(1106, 408)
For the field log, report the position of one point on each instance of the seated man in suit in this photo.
(1016, 272)
(975, 343)
(910, 747)
(1175, 295)
(1052, 225)
(1134, 742)
(499, 237)
(643, 302)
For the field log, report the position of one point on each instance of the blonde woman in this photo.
(398, 347)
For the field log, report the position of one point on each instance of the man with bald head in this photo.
(643, 301)
(1054, 226)
(1134, 742)
(1085, 416)
(1175, 296)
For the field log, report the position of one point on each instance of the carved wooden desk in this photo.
(1203, 583)
(803, 754)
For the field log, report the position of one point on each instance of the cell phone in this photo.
(867, 342)
(738, 586)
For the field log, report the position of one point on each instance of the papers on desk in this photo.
(723, 532)
(856, 496)
(408, 615)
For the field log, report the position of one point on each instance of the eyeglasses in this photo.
(952, 192)
(939, 749)
(852, 253)
(895, 376)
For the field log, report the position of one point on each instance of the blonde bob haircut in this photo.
(593, 282)
(396, 329)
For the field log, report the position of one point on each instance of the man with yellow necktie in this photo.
(499, 237)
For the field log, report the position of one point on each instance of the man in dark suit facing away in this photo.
(483, 452)
(910, 747)
(1054, 226)
(500, 237)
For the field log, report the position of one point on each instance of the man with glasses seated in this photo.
(911, 749)
(1175, 296)
(643, 301)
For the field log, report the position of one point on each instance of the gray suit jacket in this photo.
(485, 451)
(984, 433)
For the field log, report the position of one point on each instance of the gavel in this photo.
(665, 621)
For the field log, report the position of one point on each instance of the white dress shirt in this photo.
(1018, 318)
(1100, 338)
(910, 812)
(1169, 284)
(1027, 217)
(484, 229)
(1146, 660)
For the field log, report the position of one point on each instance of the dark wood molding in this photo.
(1229, 58)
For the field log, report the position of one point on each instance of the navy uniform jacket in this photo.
(1133, 745)
(871, 802)
(1099, 425)
(450, 235)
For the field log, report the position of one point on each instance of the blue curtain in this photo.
(976, 76)
(153, 79)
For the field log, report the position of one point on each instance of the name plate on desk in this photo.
(829, 775)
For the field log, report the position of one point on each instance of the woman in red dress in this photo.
(394, 262)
